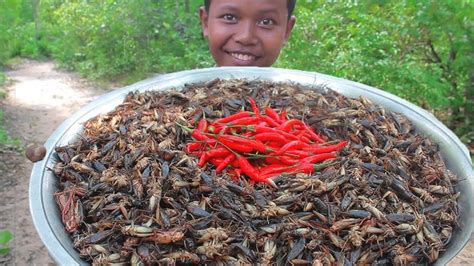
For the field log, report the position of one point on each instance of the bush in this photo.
(3, 79)
(109, 39)
(19, 32)
(4, 137)
(419, 50)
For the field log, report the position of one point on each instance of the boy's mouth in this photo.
(243, 57)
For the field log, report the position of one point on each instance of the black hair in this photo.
(290, 4)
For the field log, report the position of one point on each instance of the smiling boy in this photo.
(246, 32)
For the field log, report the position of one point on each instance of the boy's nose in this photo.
(246, 34)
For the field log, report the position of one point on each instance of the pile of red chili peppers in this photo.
(260, 146)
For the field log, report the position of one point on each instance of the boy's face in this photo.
(246, 32)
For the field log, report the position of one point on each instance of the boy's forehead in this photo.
(256, 5)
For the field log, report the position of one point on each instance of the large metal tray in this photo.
(43, 184)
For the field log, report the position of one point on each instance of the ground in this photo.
(38, 99)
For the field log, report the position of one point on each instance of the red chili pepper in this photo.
(218, 152)
(203, 138)
(215, 161)
(235, 163)
(252, 173)
(303, 136)
(202, 160)
(199, 135)
(230, 118)
(269, 121)
(254, 144)
(235, 138)
(190, 147)
(245, 135)
(272, 114)
(292, 145)
(315, 136)
(302, 133)
(202, 125)
(274, 145)
(305, 140)
(220, 129)
(286, 160)
(264, 129)
(254, 107)
(288, 125)
(272, 160)
(244, 121)
(283, 115)
(276, 169)
(310, 168)
(270, 136)
(225, 163)
(298, 153)
(234, 146)
(318, 158)
(247, 168)
(196, 133)
(259, 146)
(329, 148)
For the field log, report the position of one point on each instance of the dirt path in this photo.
(39, 99)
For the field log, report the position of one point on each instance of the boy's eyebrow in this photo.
(268, 10)
(232, 7)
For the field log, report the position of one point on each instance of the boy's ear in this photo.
(204, 21)
(289, 27)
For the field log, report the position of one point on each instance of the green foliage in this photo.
(19, 33)
(116, 38)
(419, 50)
(5, 237)
(2, 82)
(383, 45)
(4, 138)
(3, 79)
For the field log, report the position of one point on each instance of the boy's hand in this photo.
(35, 152)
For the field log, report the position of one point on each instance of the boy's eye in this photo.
(229, 17)
(267, 22)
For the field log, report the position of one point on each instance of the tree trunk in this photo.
(36, 4)
(186, 6)
(469, 93)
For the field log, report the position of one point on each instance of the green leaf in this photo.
(5, 236)
(4, 250)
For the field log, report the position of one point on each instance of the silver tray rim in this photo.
(42, 184)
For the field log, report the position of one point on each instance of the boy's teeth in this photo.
(243, 57)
